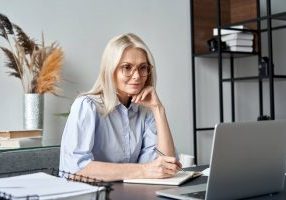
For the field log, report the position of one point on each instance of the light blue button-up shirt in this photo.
(126, 135)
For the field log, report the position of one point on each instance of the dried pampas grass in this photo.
(50, 73)
(36, 65)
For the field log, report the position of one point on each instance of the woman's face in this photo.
(130, 74)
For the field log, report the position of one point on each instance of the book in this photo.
(178, 179)
(227, 31)
(237, 42)
(237, 36)
(21, 133)
(7, 143)
(241, 48)
(44, 186)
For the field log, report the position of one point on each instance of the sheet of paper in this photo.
(206, 172)
(44, 185)
(178, 179)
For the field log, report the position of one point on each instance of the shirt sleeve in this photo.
(78, 136)
(149, 141)
(148, 153)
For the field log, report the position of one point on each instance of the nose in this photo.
(136, 74)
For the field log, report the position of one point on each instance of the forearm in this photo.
(112, 171)
(165, 141)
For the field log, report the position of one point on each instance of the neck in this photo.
(125, 99)
(126, 102)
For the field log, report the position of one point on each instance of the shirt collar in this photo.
(132, 106)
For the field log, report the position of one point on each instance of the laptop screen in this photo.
(248, 159)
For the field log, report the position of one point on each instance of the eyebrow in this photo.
(132, 64)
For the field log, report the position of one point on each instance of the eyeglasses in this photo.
(143, 69)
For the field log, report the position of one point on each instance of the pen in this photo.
(159, 152)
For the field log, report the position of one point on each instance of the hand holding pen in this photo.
(162, 154)
(162, 167)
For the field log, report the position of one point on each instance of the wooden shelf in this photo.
(232, 11)
(278, 16)
(226, 54)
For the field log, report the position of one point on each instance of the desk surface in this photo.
(34, 145)
(142, 192)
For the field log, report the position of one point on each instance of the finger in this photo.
(146, 92)
(133, 98)
(171, 166)
(163, 172)
(170, 159)
(162, 163)
(179, 164)
(138, 97)
(169, 172)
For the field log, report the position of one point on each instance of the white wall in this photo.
(83, 28)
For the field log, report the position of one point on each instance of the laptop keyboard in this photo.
(199, 195)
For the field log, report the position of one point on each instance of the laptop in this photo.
(247, 159)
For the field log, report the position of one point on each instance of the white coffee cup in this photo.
(186, 160)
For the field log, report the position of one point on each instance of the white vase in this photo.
(33, 111)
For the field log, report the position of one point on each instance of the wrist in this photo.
(158, 108)
(134, 170)
(143, 170)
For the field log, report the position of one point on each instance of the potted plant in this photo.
(38, 67)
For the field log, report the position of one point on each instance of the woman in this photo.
(113, 129)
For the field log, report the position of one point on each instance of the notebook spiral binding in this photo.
(58, 173)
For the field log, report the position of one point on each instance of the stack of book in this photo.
(236, 40)
(239, 41)
(228, 31)
(20, 138)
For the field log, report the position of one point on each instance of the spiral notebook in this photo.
(178, 179)
(41, 185)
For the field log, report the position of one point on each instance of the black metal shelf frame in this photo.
(231, 56)
(278, 16)
(226, 54)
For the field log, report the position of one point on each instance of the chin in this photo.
(134, 92)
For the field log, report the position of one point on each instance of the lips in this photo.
(135, 86)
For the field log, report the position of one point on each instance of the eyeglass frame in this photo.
(134, 68)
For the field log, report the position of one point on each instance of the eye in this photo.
(144, 67)
(126, 67)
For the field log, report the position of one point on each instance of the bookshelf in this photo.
(222, 14)
(205, 18)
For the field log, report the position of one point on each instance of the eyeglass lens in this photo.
(128, 70)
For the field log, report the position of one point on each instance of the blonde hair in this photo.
(105, 84)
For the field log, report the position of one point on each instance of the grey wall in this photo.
(83, 28)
